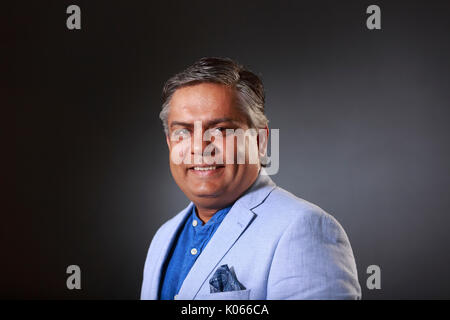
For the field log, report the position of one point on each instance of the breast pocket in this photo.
(228, 295)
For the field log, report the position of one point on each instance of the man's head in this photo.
(213, 95)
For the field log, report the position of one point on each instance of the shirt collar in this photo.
(215, 219)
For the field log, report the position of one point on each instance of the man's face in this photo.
(214, 107)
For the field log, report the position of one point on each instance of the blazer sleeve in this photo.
(313, 260)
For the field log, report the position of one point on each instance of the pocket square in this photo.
(224, 280)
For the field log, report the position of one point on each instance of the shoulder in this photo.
(167, 229)
(293, 214)
(313, 258)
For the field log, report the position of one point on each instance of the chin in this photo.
(213, 194)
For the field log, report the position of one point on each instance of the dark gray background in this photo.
(363, 118)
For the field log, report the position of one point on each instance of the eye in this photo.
(218, 130)
(181, 132)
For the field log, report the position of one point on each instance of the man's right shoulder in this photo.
(171, 224)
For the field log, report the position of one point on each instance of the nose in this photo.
(198, 144)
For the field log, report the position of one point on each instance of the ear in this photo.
(168, 141)
(263, 139)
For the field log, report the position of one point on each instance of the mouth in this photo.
(206, 170)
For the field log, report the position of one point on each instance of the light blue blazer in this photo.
(280, 247)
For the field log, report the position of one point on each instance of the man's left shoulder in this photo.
(288, 206)
(312, 247)
(285, 209)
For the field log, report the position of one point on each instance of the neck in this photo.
(205, 213)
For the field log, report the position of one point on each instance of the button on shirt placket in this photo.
(194, 245)
(203, 233)
(201, 236)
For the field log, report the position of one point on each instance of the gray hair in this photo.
(248, 86)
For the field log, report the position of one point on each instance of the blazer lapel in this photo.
(226, 235)
(165, 249)
(229, 231)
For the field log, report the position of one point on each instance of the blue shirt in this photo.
(188, 246)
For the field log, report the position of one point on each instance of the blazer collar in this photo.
(258, 191)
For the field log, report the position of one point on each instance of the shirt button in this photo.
(194, 251)
(194, 223)
(176, 297)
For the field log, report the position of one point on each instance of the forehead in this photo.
(204, 101)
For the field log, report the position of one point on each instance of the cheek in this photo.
(230, 149)
(240, 150)
(180, 152)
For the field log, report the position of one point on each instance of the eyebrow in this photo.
(207, 123)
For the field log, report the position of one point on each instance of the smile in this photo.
(206, 170)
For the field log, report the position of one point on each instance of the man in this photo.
(241, 236)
